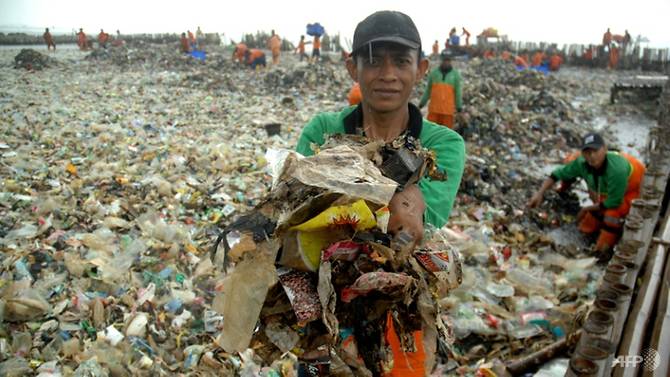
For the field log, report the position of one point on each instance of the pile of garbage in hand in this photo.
(317, 276)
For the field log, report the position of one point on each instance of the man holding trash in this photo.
(444, 91)
(386, 62)
(613, 180)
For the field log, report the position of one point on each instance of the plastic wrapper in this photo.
(344, 250)
(341, 170)
(390, 283)
(302, 294)
(244, 292)
(444, 264)
(281, 336)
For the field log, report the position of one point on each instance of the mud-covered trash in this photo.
(32, 60)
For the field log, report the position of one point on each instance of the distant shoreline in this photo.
(12, 39)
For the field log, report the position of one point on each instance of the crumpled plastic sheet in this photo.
(349, 173)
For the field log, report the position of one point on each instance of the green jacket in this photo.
(609, 182)
(447, 145)
(452, 78)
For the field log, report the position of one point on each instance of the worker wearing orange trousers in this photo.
(613, 179)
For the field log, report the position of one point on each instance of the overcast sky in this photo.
(567, 21)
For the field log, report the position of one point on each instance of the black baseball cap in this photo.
(592, 141)
(386, 26)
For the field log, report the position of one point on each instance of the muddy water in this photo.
(631, 132)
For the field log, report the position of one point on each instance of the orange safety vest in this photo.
(518, 60)
(355, 96)
(240, 49)
(254, 53)
(555, 62)
(274, 43)
(442, 99)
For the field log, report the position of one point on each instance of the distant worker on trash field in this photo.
(82, 41)
(274, 44)
(607, 38)
(103, 38)
(49, 40)
(386, 63)
(300, 50)
(255, 58)
(191, 39)
(538, 58)
(454, 39)
(316, 48)
(613, 180)
(519, 61)
(118, 41)
(444, 92)
(467, 37)
(555, 62)
(200, 38)
(240, 53)
(183, 44)
(436, 48)
(613, 57)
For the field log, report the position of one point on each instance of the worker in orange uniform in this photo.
(255, 58)
(607, 38)
(82, 41)
(519, 61)
(355, 96)
(436, 48)
(103, 38)
(489, 54)
(467, 37)
(191, 39)
(614, 58)
(274, 44)
(316, 48)
(505, 55)
(588, 53)
(613, 180)
(538, 57)
(301, 48)
(444, 92)
(49, 40)
(555, 62)
(183, 44)
(239, 52)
